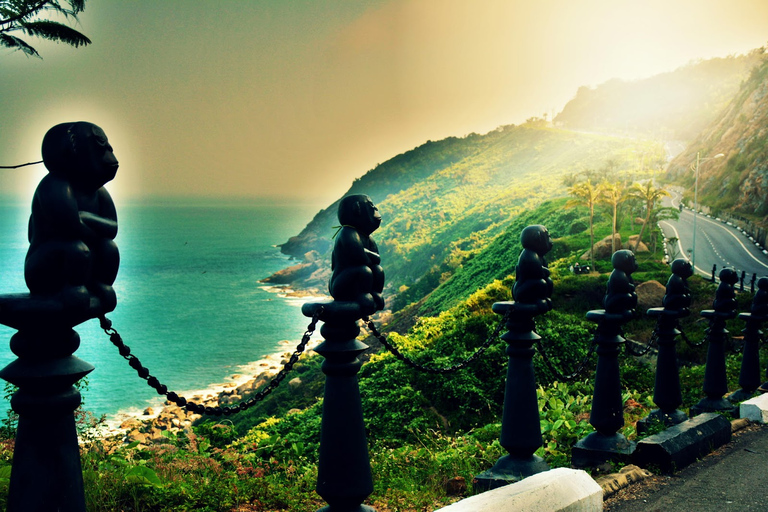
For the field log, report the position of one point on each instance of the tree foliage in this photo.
(650, 195)
(613, 194)
(30, 18)
(586, 194)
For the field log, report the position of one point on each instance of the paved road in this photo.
(717, 243)
(730, 479)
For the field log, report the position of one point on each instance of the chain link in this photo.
(162, 389)
(651, 342)
(579, 369)
(426, 369)
(689, 342)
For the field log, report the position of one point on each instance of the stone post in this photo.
(667, 394)
(46, 473)
(715, 378)
(344, 478)
(344, 472)
(69, 269)
(521, 426)
(607, 414)
(749, 377)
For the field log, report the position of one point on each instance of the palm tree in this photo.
(586, 194)
(23, 16)
(613, 194)
(649, 194)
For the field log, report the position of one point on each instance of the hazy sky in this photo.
(297, 98)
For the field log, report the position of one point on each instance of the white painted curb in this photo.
(755, 409)
(556, 490)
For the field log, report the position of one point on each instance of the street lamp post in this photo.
(696, 201)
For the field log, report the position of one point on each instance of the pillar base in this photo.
(658, 417)
(739, 396)
(508, 470)
(596, 449)
(358, 508)
(714, 405)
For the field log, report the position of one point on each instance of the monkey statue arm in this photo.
(103, 224)
(373, 257)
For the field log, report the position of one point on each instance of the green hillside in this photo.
(444, 201)
(422, 429)
(737, 183)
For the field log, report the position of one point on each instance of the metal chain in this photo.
(426, 369)
(161, 389)
(651, 342)
(688, 341)
(579, 369)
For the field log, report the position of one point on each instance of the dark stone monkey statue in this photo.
(356, 264)
(725, 295)
(620, 297)
(72, 255)
(532, 284)
(678, 295)
(759, 306)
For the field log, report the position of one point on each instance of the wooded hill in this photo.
(443, 202)
(738, 182)
(448, 205)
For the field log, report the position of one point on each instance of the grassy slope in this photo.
(453, 197)
(423, 430)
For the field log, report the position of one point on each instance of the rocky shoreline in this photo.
(148, 428)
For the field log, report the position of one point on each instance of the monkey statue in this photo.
(620, 297)
(72, 254)
(760, 300)
(725, 295)
(355, 261)
(533, 285)
(678, 296)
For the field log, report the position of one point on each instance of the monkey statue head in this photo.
(359, 212)
(624, 260)
(80, 153)
(728, 276)
(682, 267)
(536, 238)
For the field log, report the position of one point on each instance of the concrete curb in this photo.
(680, 445)
(755, 409)
(556, 490)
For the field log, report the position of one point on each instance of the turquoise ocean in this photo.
(190, 305)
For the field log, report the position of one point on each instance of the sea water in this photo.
(190, 305)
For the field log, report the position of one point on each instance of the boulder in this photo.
(245, 387)
(134, 436)
(456, 486)
(649, 295)
(130, 424)
(602, 249)
(636, 247)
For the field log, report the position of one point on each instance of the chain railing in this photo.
(426, 369)
(181, 401)
(688, 340)
(558, 374)
(629, 344)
